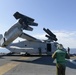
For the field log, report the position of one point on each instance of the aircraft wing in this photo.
(28, 37)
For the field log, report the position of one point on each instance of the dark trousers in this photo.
(60, 69)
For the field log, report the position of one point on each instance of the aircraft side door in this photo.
(49, 47)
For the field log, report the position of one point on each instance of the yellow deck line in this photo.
(5, 68)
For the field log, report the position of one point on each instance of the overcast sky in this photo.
(57, 15)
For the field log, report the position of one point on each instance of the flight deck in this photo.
(32, 65)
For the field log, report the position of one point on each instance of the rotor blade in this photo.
(25, 19)
(34, 24)
(18, 15)
(50, 33)
(52, 38)
(45, 30)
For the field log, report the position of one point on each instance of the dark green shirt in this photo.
(60, 56)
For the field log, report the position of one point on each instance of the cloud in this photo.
(68, 39)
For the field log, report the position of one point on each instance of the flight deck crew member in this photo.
(68, 51)
(60, 55)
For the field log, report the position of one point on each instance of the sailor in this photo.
(60, 55)
(68, 50)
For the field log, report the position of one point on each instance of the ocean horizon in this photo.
(73, 51)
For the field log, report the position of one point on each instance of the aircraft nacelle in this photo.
(16, 30)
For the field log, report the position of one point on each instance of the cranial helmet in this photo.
(60, 46)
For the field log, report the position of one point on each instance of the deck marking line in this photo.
(6, 67)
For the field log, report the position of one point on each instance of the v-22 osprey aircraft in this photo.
(30, 45)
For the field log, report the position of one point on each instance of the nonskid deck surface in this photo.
(32, 65)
